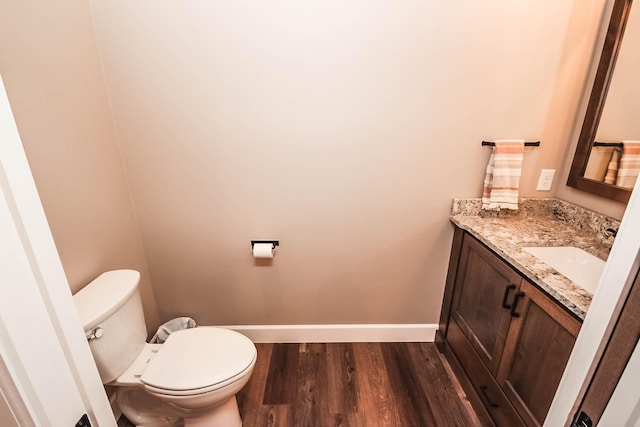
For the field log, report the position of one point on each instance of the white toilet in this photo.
(192, 379)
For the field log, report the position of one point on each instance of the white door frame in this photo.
(615, 283)
(48, 374)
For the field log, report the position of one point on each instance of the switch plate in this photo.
(546, 179)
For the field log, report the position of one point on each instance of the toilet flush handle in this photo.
(96, 333)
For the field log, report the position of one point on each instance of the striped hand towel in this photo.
(502, 179)
(612, 169)
(629, 164)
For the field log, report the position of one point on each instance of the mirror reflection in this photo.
(615, 155)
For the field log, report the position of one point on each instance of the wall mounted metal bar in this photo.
(526, 143)
(608, 144)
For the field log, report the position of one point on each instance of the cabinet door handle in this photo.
(505, 297)
(483, 389)
(514, 304)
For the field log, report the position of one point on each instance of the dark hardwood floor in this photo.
(353, 384)
(358, 384)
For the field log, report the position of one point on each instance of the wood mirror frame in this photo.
(597, 99)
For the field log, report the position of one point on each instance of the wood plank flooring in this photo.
(353, 384)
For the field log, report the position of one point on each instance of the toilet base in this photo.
(143, 410)
(224, 415)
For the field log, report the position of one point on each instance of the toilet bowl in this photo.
(190, 380)
(191, 377)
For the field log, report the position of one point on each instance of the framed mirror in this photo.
(598, 154)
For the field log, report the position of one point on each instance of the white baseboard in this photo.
(338, 333)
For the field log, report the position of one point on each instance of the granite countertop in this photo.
(540, 222)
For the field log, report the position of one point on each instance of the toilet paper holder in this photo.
(273, 242)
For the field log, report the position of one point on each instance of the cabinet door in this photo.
(481, 303)
(538, 346)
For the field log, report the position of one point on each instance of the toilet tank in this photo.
(110, 307)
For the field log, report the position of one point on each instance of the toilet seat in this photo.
(198, 360)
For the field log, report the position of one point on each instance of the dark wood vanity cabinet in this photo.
(511, 340)
(480, 304)
(538, 346)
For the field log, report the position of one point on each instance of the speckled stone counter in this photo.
(540, 222)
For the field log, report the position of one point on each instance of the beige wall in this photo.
(341, 128)
(50, 65)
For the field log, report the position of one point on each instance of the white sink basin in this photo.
(574, 263)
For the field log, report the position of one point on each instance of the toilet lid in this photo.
(197, 358)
